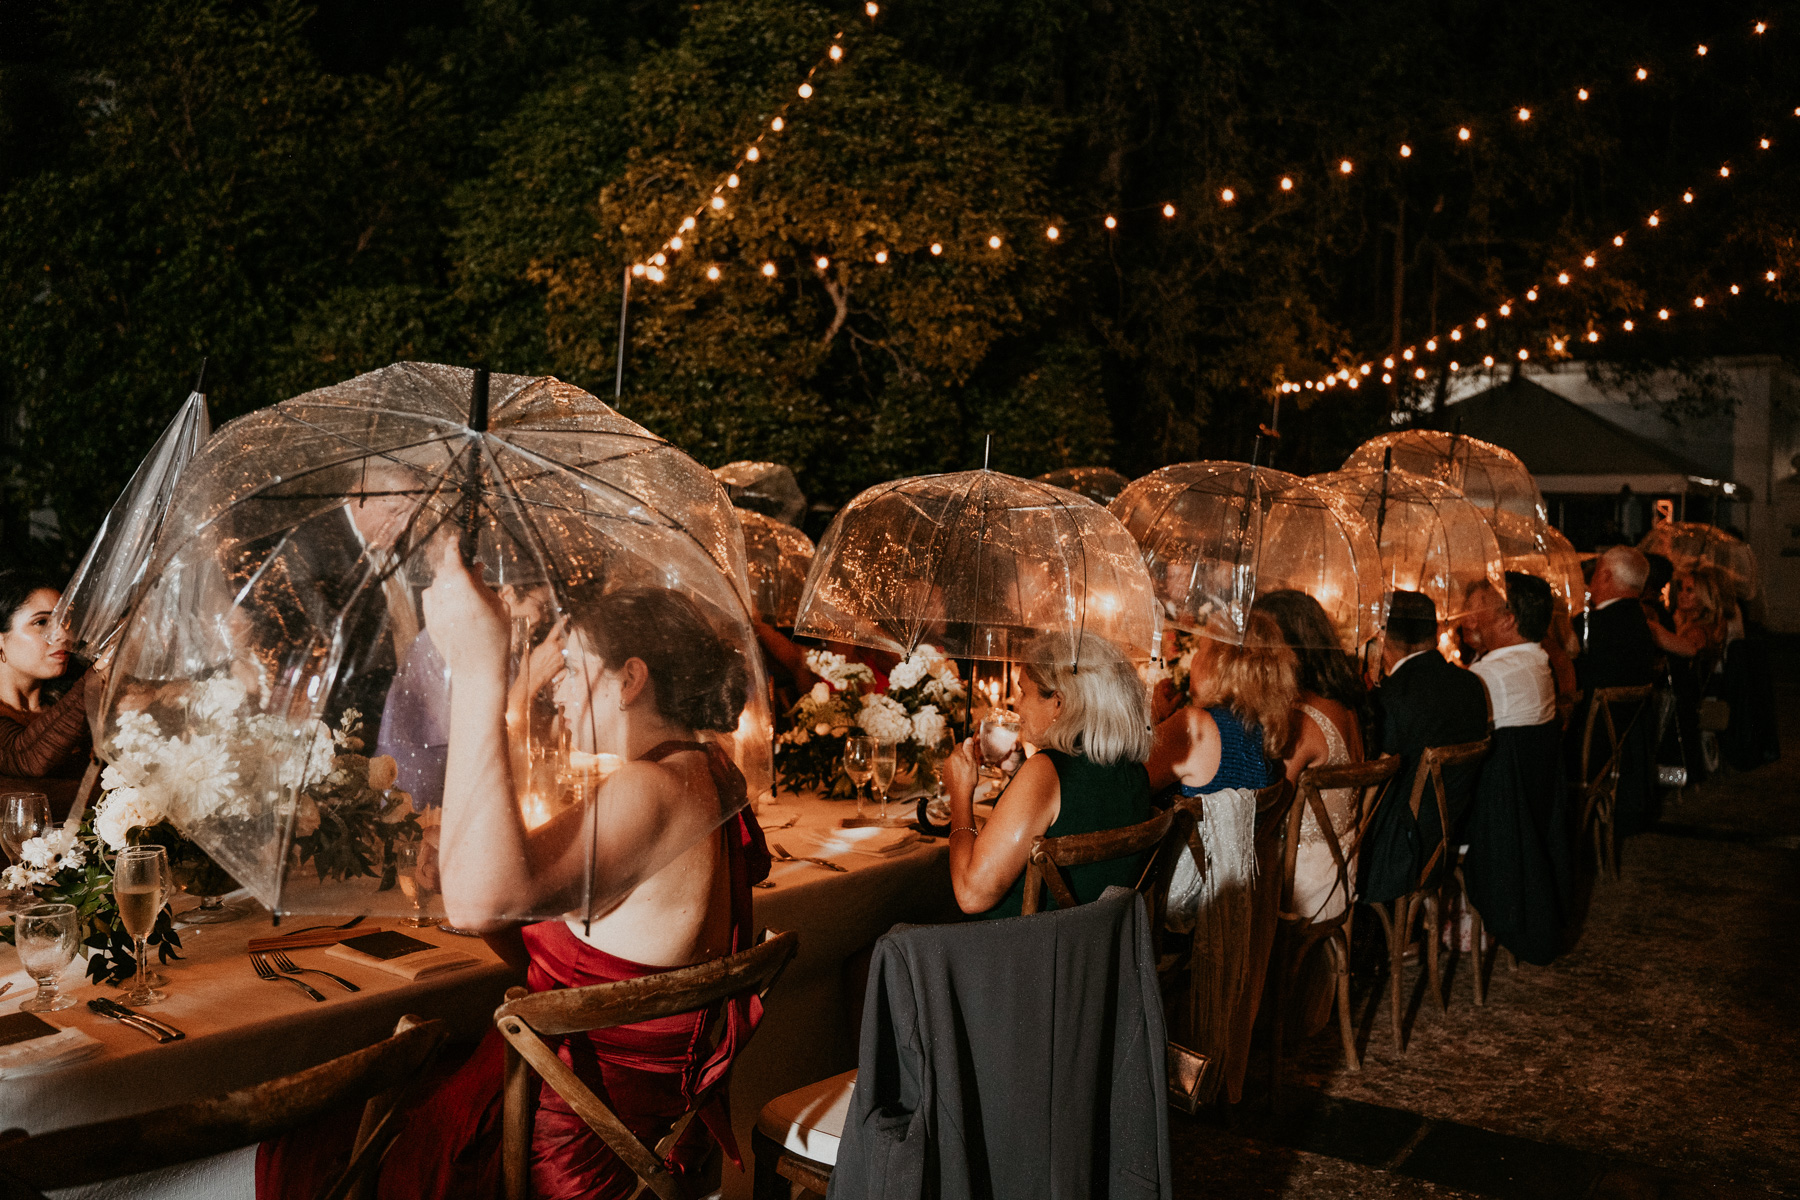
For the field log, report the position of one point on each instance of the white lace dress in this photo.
(1316, 890)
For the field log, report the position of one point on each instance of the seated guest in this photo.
(646, 672)
(1091, 722)
(1519, 864)
(1422, 702)
(1235, 729)
(1326, 733)
(42, 745)
(1620, 651)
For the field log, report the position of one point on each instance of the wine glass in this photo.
(999, 737)
(141, 887)
(886, 761)
(859, 765)
(47, 937)
(406, 874)
(23, 816)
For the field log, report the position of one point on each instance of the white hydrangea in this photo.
(837, 670)
(884, 719)
(217, 699)
(909, 671)
(929, 728)
(123, 810)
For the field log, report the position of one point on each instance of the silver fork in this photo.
(284, 963)
(265, 971)
(781, 853)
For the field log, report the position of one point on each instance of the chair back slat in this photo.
(1600, 715)
(1051, 856)
(627, 1001)
(1431, 769)
(200, 1129)
(1369, 779)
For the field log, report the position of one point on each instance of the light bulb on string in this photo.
(718, 203)
(881, 256)
(1724, 172)
(1405, 150)
(1418, 372)
(1456, 335)
(1506, 310)
(1345, 166)
(1629, 326)
(1308, 385)
(768, 269)
(1328, 381)
(1366, 368)
(1355, 383)
(1557, 345)
(1700, 50)
(1481, 322)
(1588, 262)
(1343, 374)
(1764, 143)
(1487, 360)
(1112, 222)
(806, 91)
(1407, 354)
(1618, 239)
(1524, 114)
(1662, 314)
(1769, 275)
(777, 124)
(1431, 346)
(1687, 197)
(1699, 301)
(1654, 220)
(637, 269)
(687, 224)
(837, 53)
(675, 243)
(1227, 195)
(1287, 184)
(1562, 277)
(731, 181)
(994, 242)
(753, 154)
(1386, 378)
(1462, 135)
(1388, 362)
(822, 262)
(1168, 210)
(1524, 354)
(937, 247)
(1455, 366)
(1734, 289)
(1053, 233)
(655, 274)
(1532, 294)
(871, 8)
(712, 273)
(1642, 73)
(1760, 26)
(1593, 335)
(659, 258)
(1581, 93)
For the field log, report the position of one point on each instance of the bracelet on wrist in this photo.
(965, 829)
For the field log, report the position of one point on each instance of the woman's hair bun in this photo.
(701, 679)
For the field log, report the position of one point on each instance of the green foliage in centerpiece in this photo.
(348, 822)
(915, 708)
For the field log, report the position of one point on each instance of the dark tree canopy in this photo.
(302, 193)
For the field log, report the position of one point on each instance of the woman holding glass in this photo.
(1092, 725)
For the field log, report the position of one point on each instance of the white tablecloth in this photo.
(806, 1031)
(240, 1029)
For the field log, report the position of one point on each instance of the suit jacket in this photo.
(1023, 1057)
(1620, 651)
(1426, 702)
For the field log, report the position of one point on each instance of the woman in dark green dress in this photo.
(1089, 715)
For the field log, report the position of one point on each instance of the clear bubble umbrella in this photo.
(115, 569)
(1217, 535)
(764, 487)
(1562, 569)
(273, 683)
(1430, 538)
(1490, 477)
(1102, 485)
(980, 564)
(1688, 543)
(778, 557)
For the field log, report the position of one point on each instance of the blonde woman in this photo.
(1235, 731)
(1091, 722)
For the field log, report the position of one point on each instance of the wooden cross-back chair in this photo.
(1166, 834)
(527, 1018)
(1398, 915)
(379, 1077)
(1299, 932)
(1600, 789)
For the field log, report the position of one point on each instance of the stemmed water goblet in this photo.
(859, 765)
(885, 763)
(47, 936)
(141, 888)
(999, 738)
(23, 816)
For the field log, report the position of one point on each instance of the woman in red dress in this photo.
(43, 745)
(644, 673)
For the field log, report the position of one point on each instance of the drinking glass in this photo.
(406, 874)
(141, 887)
(23, 816)
(883, 776)
(859, 765)
(47, 937)
(998, 739)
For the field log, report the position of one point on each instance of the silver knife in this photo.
(146, 1018)
(144, 1025)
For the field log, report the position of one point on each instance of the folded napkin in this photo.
(868, 839)
(400, 954)
(47, 1053)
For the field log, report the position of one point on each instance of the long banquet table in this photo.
(242, 1030)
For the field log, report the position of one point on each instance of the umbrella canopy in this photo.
(115, 569)
(764, 487)
(980, 564)
(1102, 485)
(1217, 535)
(1491, 478)
(273, 686)
(1562, 569)
(778, 557)
(1687, 543)
(1430, 538)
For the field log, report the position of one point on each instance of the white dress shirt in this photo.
(1520, 685)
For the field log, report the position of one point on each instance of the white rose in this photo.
(884, 719)
(217, 699)
(126, 773)
(909, 672)
(928, 727)
(821, 693)
(121, 812)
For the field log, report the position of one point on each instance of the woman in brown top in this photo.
(45, 747)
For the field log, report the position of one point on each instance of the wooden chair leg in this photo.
(1397, 927)
(1430, 932)
(515, 1141)
(1278, 1022)
(1476, 934)
(1340, 954)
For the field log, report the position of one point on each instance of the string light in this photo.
(1405, 150)
(1734, 289)
(768, 269)
(1455, 366)
(1629, 326)
(687, 224)
(1760, 26)
(837, 53)
(1618, 239)
(822, 262)
(1524, 354)
(1487, 360)
(1168, 210)
(1654, 220)
(1662, 314)
(1227, 195)
(659, 259)
(1345, 167)
(1593, 335)
(1764, 143)
(1506, 310)
(871, 8)
(1112, 222)
(1687, 197)
(1769, 275)
(1724, 172)
(1366, 368)
(731, 181)
(1052, 233)
(1287, 184)
(994, 242)
(1532, 294)
(806, 91)
(718, 203)
(881, 256)
(1386, 378)
(1431, 346)
(712, 273)
(1419, 373)
(1642, 73)
(1700, 50)
(637, 269)
(1524, 114)
(1588, 261)
(1481, 322)
(675, 243)
(1580, 94)
(1462, 135)
(1407, 354)
(1699, 301)
(1388, 363)
(1456, 335)
(938, 247)
(1562, 277)
(753, 154)
(777, 124)
(655, 274)
(1557, 345)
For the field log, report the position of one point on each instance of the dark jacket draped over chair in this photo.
(1519, 871)
(1021, 1058)
(1619, 651)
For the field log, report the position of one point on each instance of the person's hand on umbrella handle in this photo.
(962, 768)
(466, 620)
(1165, 698)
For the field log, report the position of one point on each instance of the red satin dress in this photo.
(648, 1073)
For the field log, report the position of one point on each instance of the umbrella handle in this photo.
(478, 424)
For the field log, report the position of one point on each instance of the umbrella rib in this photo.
(1062, 507)
(939, 563)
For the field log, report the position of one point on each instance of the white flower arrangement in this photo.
(41, 857)
(885, 719)
(924, 695)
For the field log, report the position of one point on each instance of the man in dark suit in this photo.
(1619, 651)
(1423, 702)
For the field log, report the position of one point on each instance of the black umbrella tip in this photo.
(478, 401)
(200, 376)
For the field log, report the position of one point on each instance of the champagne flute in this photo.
(406, 874)
(141, 886)
(859, 765)
(47, 936)
(999, 738)
(23, 816)
(886, 761)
